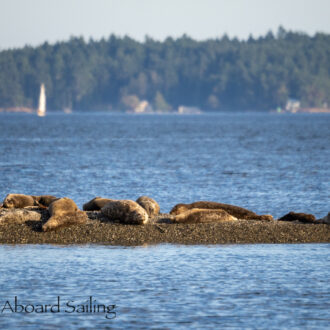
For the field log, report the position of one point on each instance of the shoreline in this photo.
(115, 234)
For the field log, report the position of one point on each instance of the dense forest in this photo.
(214, 75)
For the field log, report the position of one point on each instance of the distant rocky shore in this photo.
(27, 219)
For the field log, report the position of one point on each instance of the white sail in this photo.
(42, 101)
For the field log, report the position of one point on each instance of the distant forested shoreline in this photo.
(222, 74)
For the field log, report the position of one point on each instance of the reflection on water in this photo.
(247, 286)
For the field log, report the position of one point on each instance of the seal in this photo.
(301, 217)
(96, 204)
(18, 201)
(11, 215)
(126, 211)
(235, 211)
(44, 201)
(150, 205)
(325, 219)
(63, 212)
(203, 216)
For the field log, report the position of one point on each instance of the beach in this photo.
(110, 233)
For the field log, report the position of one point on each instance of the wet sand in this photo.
(99, 232)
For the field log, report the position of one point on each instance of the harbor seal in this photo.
(63, 212)
(150, 205)
(44, 200)
(301, 217)
(235, 211)
(325, 219)
(126, 211)
(11, 215)
(203, 216)
(19, 201)
(96, 204)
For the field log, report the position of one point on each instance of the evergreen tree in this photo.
(215, 74)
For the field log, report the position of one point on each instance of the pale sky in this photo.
(34, 21)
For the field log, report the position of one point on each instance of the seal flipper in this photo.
(37, 203)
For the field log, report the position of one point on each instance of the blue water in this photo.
(267, 163)
(171, 287)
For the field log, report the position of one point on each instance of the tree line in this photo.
(215, 75)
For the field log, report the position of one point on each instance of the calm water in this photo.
(268, 163)
(242, 286)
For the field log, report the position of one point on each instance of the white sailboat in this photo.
(41, 112)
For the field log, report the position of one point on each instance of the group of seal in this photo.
(126, 211)
(64, 211)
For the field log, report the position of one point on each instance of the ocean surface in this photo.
(168, 286)
(265, 162)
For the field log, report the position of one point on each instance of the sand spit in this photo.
(99, 230)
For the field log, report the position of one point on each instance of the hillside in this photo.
(213, 75)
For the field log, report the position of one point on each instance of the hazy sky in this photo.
(35, 21)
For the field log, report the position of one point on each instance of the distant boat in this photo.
(41, 112)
